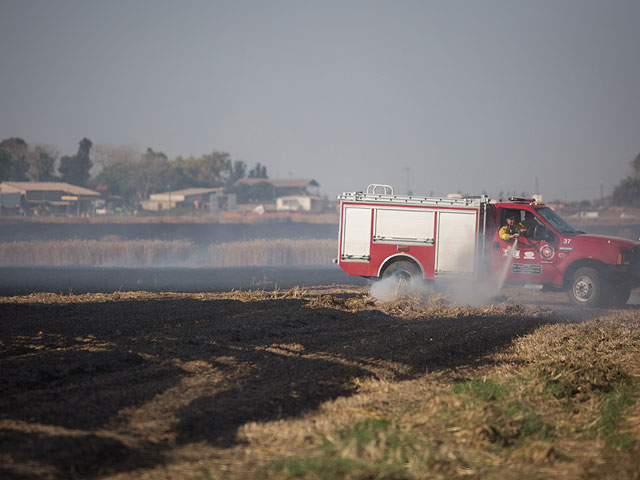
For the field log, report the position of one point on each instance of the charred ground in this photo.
(219, 385)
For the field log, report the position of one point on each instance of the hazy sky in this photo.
(467, 95)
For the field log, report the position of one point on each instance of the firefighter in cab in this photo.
(512, 230)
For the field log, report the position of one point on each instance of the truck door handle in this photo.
(496, 246)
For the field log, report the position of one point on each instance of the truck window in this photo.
(356, 233)
(557, 222)
(408, 225)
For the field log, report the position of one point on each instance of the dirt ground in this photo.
(214, 385)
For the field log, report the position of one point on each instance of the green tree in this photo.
(236, 172)
(209, 170)
(41, 160)
(75, 169)
(13, 159)
(259, 171)
(261, 192)
(627, 192)
(153, 174)
(135, 178)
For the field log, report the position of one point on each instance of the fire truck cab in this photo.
(382, 235)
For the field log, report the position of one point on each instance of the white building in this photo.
(305, 203)
(213, 199)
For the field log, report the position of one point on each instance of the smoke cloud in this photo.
(462, 291)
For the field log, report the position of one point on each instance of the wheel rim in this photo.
(583, 289)
(403, 280)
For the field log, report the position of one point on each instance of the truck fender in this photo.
(397, 257)
(583, 262)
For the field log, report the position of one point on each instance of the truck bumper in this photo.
(628, 274)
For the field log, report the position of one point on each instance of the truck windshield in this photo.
(557, 222)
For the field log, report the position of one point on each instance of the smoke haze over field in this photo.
(461, 291)
(432, 96)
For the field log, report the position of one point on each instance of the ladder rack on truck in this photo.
(388, 197)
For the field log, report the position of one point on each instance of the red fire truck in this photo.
(429, 238)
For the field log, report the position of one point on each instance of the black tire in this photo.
(621, 294)
(407, 275)
(588, 288)
(403, 270)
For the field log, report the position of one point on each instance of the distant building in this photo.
(212, 199)
(38, 198)
(305, 203)
(10, 199)
(592, 214)
(286, 187)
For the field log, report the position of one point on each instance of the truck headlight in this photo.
(627, 257)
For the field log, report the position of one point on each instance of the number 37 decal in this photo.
(566, 241)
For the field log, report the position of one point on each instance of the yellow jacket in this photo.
(508, 232)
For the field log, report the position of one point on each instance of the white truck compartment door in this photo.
(356, 233)
(409, 225)
(456, 244)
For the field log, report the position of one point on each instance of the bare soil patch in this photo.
(306, 383)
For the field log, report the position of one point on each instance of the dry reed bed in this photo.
(128, 253)
(281, 251)
(60, 253)
(281, 217)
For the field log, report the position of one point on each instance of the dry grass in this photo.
(96, 253)
(561, 402)
(129, 253)
(245, 296)
(279, 251)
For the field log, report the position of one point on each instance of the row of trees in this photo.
(134, 175)
(627, 192)
(40, 163)
(127, 172)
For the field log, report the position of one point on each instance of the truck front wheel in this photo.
(588, 288)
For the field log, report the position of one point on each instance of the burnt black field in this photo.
(77, 280)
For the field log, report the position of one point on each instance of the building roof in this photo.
(279, 183)
(191, 191)
(312, 197)
(23, 187)
(180, 195)
(6, 188)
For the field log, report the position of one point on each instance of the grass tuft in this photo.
(372, 449)
(484, 389)
(615, 402)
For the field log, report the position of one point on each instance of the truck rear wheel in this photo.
(403, 270)
(407, 275)
(588, 288)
